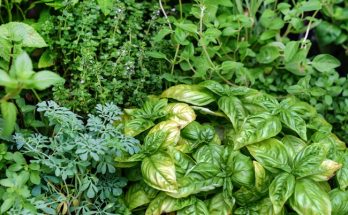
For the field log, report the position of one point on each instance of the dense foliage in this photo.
(254, 93)
(244, 152)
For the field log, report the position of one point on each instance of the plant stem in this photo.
(165, 15)
(175, 56)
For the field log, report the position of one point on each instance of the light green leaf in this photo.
(326, 170)
(310, 5)
(280, 190)
(22, 33)
(310, 199)
(158, 171)
(267, 54)
(46, 59)
(6, 81)
(23, 66)
(199, 208)
(9, 114)
(218, 206)
(181, 113)
(171, 129)
(45, 79)
(293, 145)
(192, 94)
(158, 55)
(272, 154)
(262, 179)
(290, 50)
(339, 199)
(233, 108)
(165, 204)
(161, 34)
(325, 62)
(187, 27)
(139, 194)
(106, 6)
(255, 129)
(136, 126)
(35, 177)
(7, 204)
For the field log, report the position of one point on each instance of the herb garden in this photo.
(197, 107)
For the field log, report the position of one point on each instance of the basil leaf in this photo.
(171, 129)
(271, 154)
(158, 172)
(139, 194)
(198, 208)
(262, 179)
(219, 206)
(233, 108)
(325, 62)
(310, 199)
(240, 167)
(9, 114)
(342, 174)
(294, 122)
(293, 145)
(280, 190)
(181, 113)
(136, 126)
(327, 169)
(339, 199)
(210, 153)
(255, 129)
(166, 204)
(192, 94)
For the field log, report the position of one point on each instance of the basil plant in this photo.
(216, 149)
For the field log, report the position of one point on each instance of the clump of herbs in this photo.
(102, 50)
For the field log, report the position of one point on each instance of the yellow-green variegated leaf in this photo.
(326, 170)
(192, 94)
(126, 162)
(207, 111)
(310, 199)
(136, 126)
(158, 171)
(165, 204)
(181, 113)
(255, 129)
(185, 145)
(262, 179)
(172, 130)
(139, 194)
(218, 206)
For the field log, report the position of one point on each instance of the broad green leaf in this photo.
(290, 50)
(106, 6)
(240, 167)
(171, 129)
(161, 34)
(153, 141)
(22, 33)
(218, 206)
(23, 66)
(192, 131)
(303, 109)
(6, 81)
(210, 153)
(280, 190)
(270, 20)
(187, 27)
(247, 195)
(272, 154)
(325, 62)
(298, 64)
(293, 145)
(294, 122)
(44, 79)
(158, 172)
(310, 199)
(339, 199)
(342, 174)
(182, 161)
(139, 194)
(157, 55)
(136, 126)
(326, 170)
(307, 162)
(35, 177)
(263, 100)
(255, 129)
(214, 87)
(199, 208)
(233, 108)
(9, 114)
(267, 54)
(186, 146)
(181, 113)
(126, 162)
(192, 94)
(165, 204)
(207, 111)
(153, 109)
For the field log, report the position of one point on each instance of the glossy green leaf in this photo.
(294, 122)
(171, 129)
(307, 162)
(255, 129)
(272, 154)
(218, 206)
(233, 108)
(210, 153)
(166, 204)
(158, 171)
(9, 114)
(240, 167)
(293, 145)
(192, 94)
(139, 194)
(339, 199)
(267, 54)
(6, 81)
(199, 208)
(280, 190)
(327, 170)
(325, 62)
(342, 174)
(262, 179)
(310, 199)
(23, 66)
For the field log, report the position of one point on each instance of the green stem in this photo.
(175, 56)
(8, 8)
(180, 8)
(37, 95)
